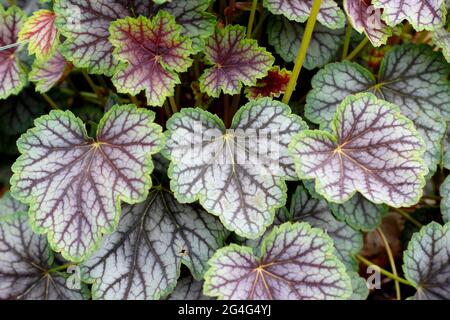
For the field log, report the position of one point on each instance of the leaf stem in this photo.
(408, 217)
(348, 33)
(383, 271)
(60, 268)
(262, 18)
(251, 19)
(302, 51)
(173, 104)
(91, 84)
(50, 101)
(391, 261)
(358, 49)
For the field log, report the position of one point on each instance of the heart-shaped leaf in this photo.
(445, 201)
(285, 36)
(359, 286)
(74, 184)
(12, 75)
(237, 174)
(447, 148)
(412, 77)
(373, 149)
(188, 289)
(40, 32)
(427, 262)
(422, 14)
(330, 15)
(142, 259)
(27, 269)
(271, 86)
(45, 74)
(152, 52)
(441, 38)
(365, 18)
(236, 60)
(296, 263)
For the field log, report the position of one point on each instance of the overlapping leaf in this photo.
(427, 262)
(45, 74)
(373, 150)
(236, 61)
(74, 184)
(412, 77)
(142, 259)
(285, 36)
(272, 86)
(365, 18)
(26, 262)
(441, 38)
(359, 286)
(12, 75)
(40, 32)
(236, 174)
(153, 51)
(445, 201)
(330, 15)
(446, 146)
(422, 14)
(296, 263)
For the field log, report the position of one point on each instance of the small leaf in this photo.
(445, 201)
(441, 38)
(447, 147)
(426, 262)
(188, 289)
(330, 15)
(40, 32)
(46, 74)
(74, 185)
(236, 61)
(12, 75)
(285, 36)
(27, 261)
(271, 86)
(228, 175)
(153, 51)
(359, 286)
(422, 14)
(296, 263)
(364, 18)
(373, 150)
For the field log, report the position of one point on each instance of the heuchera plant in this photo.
(200, 149)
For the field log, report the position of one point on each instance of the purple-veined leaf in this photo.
(365, 18)
(296, 263)
(26, 261)
(188, 289)
(271, 86)
(40, 32)
(142, 259)
(373, 149)
(12, 76)
(412, 77)
(446, 146)
(74, 184)
(285, 36)
(236, 61)
(46, 73)
(236, 174)
(152, 52)
(426, 262)
(422, 14)
(445, 201)
(330, 15)
(441, 38)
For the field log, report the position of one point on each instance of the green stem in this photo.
(50, 101)
(85, 95)
(302, 51)
(251, 20)
(262, 18)
(60, 268)
(391, 261)
(348, 34)
(358, 49)
(91, 84)
(408, 217)
(383, 271)
(173, 104)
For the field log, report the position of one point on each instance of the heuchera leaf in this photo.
(12, 75)
(330, 15)
(426, 262)
(445, 201)
(412, 77)
(273, 85)
(236, 60)
(45, 74)
(373, 149)
(296, 263)
(153, 51)
(26, 262)
(285, 36)
(359, 286)
(227, 174)
(40, 32)
(188, 289)
(364, 19)
(142, 259)
(422, 14)
(446, 146)
(441, 38)
(74, 184)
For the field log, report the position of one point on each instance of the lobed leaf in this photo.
(74, 184)
(441, 38)
(359, 286)
(446, 146)
(445, 201)
(271, 86)
(46, 74)
(373, 150)
(296, 263)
